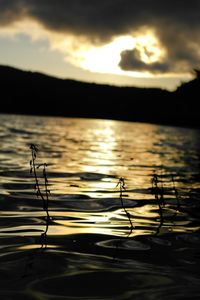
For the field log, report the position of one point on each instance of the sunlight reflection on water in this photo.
(89, 237)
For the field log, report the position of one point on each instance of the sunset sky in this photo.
(122, 42)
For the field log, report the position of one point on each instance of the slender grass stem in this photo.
(39, 193)
(121, 184)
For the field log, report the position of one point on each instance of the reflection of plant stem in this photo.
(159, 196)
(121, 184)
(176, 194)
(43, 238)
(45, 196)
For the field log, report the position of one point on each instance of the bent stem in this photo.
(45, 196)
(121, 184)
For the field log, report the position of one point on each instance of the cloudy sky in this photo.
(123, 42)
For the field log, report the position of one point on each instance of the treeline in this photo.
(39, 94)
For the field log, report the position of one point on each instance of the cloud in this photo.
(177, 60)
(176, 25)
(131, 60)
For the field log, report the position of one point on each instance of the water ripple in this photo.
(99, 242)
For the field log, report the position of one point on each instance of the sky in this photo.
(146, 43)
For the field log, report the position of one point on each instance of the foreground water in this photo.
(90, 250)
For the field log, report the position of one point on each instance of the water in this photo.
(90, 250)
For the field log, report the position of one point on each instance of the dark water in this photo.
(90, 250)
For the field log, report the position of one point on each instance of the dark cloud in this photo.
(176, 61)
(131, 60)
(11, 11)
(176, 24)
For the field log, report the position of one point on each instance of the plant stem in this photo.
(121, 184)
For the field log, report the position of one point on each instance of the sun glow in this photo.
(80, 52)
(149, 48)
(105, 59)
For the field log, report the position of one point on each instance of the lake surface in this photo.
(142, 243)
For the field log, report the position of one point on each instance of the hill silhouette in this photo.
(38, 94)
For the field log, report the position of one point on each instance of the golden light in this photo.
(103, 144)
(80, 52)
(105, 59)
(149, 48)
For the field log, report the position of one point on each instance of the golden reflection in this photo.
(122, 149)
(89, 150)
(110, 223)
(101, 155)
(22, 230)
(146, 211)
(35, 246)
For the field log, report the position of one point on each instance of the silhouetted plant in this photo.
(44, 195)
(158, 192)
(121, 184)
